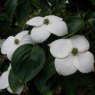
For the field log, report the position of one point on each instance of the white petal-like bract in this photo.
(58, 28)
(39, 34)
(61, 48)
(80, 42)
(11, 51)
(7, 45)
(35, 21)
(4, 80)
(53, 19)
(26, 40)
(21, 35)
(84, 62)
(65, 66)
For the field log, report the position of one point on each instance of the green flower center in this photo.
(74, 51)
(16, 41)
(46, 21)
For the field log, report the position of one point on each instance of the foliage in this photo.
(34, 67)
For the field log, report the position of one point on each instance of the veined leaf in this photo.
(47, 72)
(13, 82)
(10, 7)
(27, 61)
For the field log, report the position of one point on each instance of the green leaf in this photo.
(42, 4)
(91, 22)
(70, 83)
(47, 72)
(93, 2)
(13, 82)
(22, 11)
(90, 15)
(27, 62)
(92, 47)
(57, 3)
(92, 92)
(75, 24)
(10, 7)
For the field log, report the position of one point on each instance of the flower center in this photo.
(46, 21)
(74, 51)
(16, 41)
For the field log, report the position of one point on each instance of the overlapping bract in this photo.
(12, 43)
(66, 62)
(44, 26)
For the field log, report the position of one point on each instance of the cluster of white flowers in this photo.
(70, 54)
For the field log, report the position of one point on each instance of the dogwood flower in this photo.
(72, 55)
(4, 83)
(12, 43)
(44, 26)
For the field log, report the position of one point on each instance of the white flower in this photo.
(72, 55)
(4, 83)
(12, 43)
(44, 26)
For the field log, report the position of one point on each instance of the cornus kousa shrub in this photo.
(47, 47)
(71, 54)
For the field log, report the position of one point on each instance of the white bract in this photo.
(4, 82)
(44, 26)
(71, 55)
(12, 43)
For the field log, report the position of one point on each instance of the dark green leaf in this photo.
(13, 82)
(10, 7)
(70, 83)
(22, 11)
(92, 47)
(42, 4)
(57, 3)
(75, 24)
(91, 92)
(93, 2)
(91, 22)
(90, 15)
(47, 73)
(27, 62)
